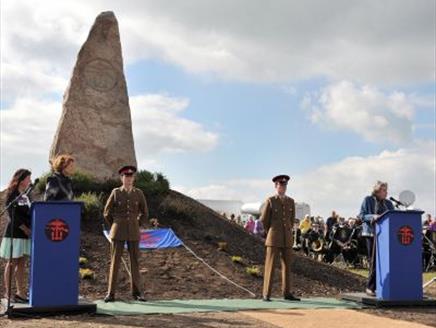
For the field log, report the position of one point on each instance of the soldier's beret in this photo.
(129, 169)
(281, 178)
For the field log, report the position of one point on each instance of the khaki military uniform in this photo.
(125, 212)
(278, 217)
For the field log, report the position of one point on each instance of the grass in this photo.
(426, 276)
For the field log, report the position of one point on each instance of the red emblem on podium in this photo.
(405, 235)
(57, 230)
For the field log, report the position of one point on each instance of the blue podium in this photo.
(54, 267)
(54, 264)
(399, 256)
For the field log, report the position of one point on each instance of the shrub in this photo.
(237, 259)
(40, 186)
(152, 183)
(83, 260)
(92, 205)
(149, 183)
(82, 182)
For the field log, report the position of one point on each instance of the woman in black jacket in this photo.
(18, 234)
(59, 186)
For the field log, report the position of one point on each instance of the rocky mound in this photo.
(175, 273)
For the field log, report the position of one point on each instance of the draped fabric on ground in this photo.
(155, 239)
(166, 238)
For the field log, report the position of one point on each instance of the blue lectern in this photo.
(399, 256)
(54, 267)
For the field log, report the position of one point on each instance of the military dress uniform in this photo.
(278, 217)
(124, 212)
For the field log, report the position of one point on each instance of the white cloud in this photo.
(158, 126)
(28, 127)
(371, 41)
(38, 46)
(27, 130)
(342, 185)
(367, 41)
(248, 190)
(366, 111)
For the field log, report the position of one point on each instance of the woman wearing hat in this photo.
(59, 184)
(17, 234)
(372, 208)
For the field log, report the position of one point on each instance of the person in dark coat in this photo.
(17, 234)
(59, 185)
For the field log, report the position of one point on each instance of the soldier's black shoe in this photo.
(266, 299)
(109, 298)
(290, 297)
(139, 298)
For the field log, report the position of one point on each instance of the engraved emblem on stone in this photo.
(100, 75)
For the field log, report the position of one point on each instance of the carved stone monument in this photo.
(96, 126)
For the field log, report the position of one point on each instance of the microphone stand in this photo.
(9, 308)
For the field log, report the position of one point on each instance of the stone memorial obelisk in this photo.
(96, 125)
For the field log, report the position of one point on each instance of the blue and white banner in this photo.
(159, 238)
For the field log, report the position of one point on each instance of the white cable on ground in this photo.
(217, 272)
(201, 260)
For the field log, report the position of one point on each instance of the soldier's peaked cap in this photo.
(281, 178)
(129, 169)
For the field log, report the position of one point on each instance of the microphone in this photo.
(396, 201)
(30, 187)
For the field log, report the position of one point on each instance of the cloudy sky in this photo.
(225, 94)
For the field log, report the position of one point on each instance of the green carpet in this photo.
(215, 305)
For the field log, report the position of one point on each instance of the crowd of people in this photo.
(253, 224)
(326, 239)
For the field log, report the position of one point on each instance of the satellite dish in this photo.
(407, 197)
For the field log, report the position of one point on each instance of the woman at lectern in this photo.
(372, 208)
(59, 185)
(15, 245)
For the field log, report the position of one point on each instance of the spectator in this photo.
(428, 221)
(238, 220)
(306, 224)
(258, 230)
(232, 218)
(249, 226)
(351, 222)
(432, 225)
(331, 221)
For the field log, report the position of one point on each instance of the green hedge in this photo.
(92, 205)
(150, 183)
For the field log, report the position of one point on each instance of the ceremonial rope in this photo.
(201, 260)
(217, 272)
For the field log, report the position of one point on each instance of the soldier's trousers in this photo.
(117, 248)
(285, 257)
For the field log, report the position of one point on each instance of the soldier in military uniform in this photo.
(125, 210)
(278, 217)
